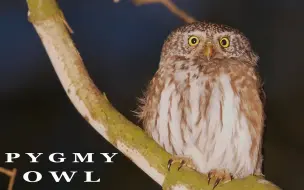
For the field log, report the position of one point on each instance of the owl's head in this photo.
(208, 41)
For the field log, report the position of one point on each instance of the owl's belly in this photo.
(204, 121)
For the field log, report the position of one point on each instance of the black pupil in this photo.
(193, 40)
(224, 42)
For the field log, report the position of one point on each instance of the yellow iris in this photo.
(193, 40)
(224, 42)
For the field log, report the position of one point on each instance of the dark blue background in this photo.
(120, 45)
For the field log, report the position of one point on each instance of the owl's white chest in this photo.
(203, 121)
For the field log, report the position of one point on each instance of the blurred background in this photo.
(121, 44)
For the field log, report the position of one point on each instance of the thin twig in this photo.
(177, 11)
(11, 174)
(170, 5)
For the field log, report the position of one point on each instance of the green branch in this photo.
(93, 105)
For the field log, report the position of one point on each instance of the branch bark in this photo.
(50, 24)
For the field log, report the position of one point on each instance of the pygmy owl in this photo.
(204, 105)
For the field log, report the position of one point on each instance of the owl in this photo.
(204, 105)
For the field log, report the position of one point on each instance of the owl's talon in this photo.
(209, 177)
(220, 176)
(170, 161)
(182, 161)
(217, 181)
(181, 165)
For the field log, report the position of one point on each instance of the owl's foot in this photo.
(184, 162)
(220, 175)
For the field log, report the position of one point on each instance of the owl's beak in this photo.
(208, 50)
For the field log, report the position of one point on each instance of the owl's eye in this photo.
(193, 40)
(224, 42)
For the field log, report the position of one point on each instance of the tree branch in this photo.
(170, 5)
(11, 174)
(50, 24)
